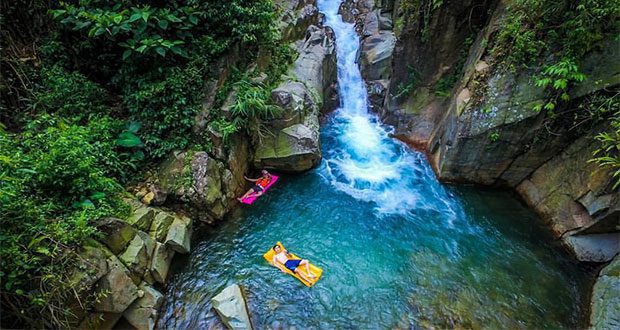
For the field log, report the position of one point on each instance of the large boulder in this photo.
(605, 301)
(160, 225)
(142, 313)
(594, 247)
(296, 16)
(160, 263)
(230, 306)
(117, 288)
(179, 234)
(196, 180)
(137, 255)
(141, 218)
(376, 55)
(100, 321)
(293, 145)
(117, 233)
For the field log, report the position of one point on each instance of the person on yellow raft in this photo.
(259, 187)
(281, 259)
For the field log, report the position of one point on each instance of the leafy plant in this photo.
(558, 77)
(608, 154)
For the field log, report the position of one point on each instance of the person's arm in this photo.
(253, 180)
(277, 264)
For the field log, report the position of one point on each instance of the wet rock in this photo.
(376, 55)
(605, 301)
(377, 90)
(138, 254)
(142, 218)
(119, 288)
(142, 313)
(230, 306)
(160, 263)
(179, 235)
(594, 247)
(293, 149)
(117, 233)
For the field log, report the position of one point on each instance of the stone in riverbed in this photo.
(230, 306)
(594, 247)
(605, 301)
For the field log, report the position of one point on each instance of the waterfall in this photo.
(366, 163)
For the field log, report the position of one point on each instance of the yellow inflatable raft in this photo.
(314, 270)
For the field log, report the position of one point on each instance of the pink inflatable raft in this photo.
(252, 198)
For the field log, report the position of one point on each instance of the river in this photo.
(398, 248)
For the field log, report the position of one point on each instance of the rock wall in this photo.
(605, 301)
(293, 144)
(484, 129)
(124, 267)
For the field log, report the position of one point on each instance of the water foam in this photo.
(370, 166)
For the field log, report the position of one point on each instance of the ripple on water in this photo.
(398, 249)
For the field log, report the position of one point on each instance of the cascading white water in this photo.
(369, 165)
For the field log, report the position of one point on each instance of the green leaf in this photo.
(163, 24)
(135, 17)
(161, 51)
(128, 140)
(145, 16)
(141, 49)
(134, 126)
(118, 18)
(193, 19)
(126, 54)
(98, 196)
(137, 156)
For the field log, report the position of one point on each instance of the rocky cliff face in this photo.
(308, 89)
(482, 127)
(133, 256)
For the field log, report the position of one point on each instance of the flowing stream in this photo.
(398, 248)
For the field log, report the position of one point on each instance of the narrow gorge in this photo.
(444, 163)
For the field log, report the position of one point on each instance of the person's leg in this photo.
(302, 275)
(247, 194)
(307, 264)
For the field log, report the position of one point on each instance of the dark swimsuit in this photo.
(292, 264)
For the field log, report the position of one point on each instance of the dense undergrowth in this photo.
(92, 91)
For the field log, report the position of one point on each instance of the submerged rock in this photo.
(230, 306)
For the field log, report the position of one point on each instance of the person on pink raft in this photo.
(259, 187)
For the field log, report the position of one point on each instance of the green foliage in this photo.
(55, 179)
(69, 93)
(166, 106)
(568, 28)
(405, 88)
(608, 154)
(494, 136)
(557, 78)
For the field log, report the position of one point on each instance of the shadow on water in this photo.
(398, 248)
